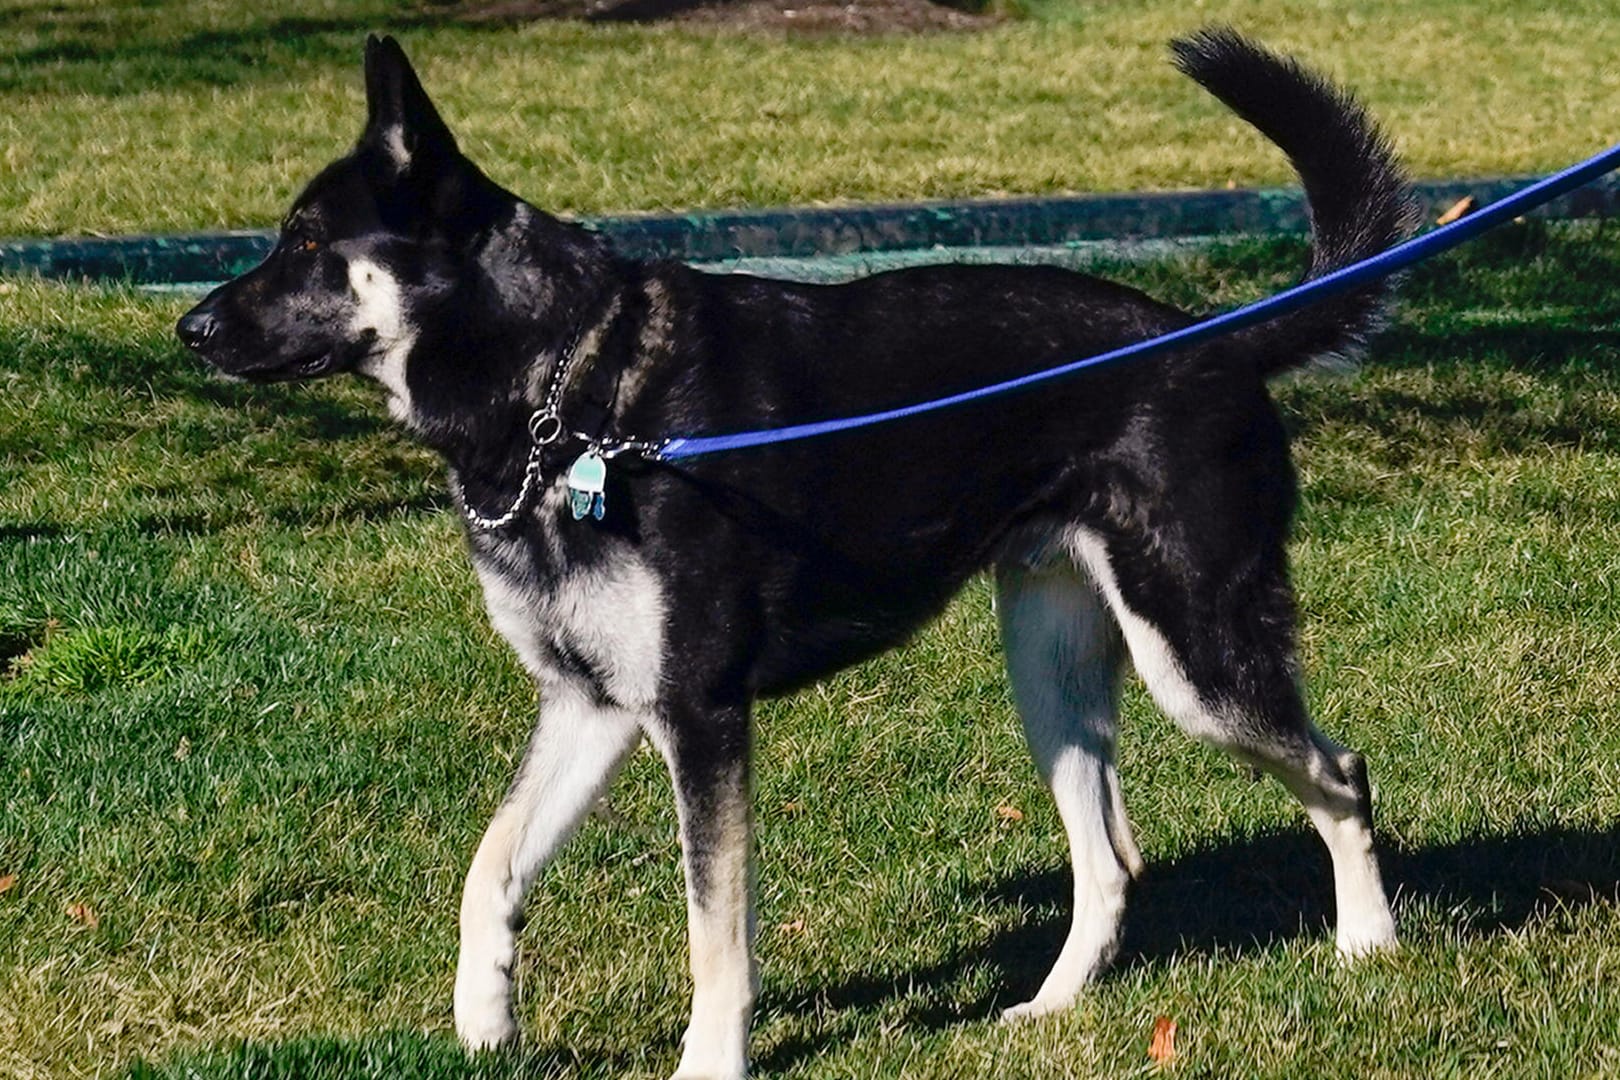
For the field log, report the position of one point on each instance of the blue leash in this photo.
(1390, 261)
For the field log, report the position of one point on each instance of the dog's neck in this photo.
(478, 383)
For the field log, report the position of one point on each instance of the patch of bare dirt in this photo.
(771, 16)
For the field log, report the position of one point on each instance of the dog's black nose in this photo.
(195, 328)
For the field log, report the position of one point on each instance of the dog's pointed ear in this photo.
(401, 121)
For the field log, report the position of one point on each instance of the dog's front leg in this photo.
(576, 748)
(708, 753)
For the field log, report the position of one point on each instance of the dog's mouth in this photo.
(311, 365)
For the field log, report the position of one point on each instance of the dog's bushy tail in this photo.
(1359, 200)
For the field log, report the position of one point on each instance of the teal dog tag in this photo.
(587, 479)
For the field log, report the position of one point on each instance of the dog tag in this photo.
(587, 478)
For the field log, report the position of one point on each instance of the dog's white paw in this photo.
(488, 1031)
(1367, 936)
(1033, 1009)
(709, 1071)
(483, 1004)
(712, 1059)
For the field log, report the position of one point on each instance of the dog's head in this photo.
(386, 244)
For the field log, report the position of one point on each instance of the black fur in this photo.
(779, 565)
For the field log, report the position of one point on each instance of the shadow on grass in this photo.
(1254, 892)
(310, 427)
(1250, 893)
(99, 360)
(1490, 410)
(290, 514)
(107, 54)
(390, 490)
(1540, 348)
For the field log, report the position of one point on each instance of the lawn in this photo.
(161, 115)
(255, 722)
(252, 718)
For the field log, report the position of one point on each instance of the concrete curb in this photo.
(793, 233)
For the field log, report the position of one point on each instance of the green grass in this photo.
(161, 115)
(255, 721)
(251, 716)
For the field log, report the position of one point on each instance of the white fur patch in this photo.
(394, 142)
(720, 923)
(1151, 654)
(380, 310)
(1062, 658)
(725, 979)
(612, 616)
(1365, 923)
(573, 755)
(514, 613)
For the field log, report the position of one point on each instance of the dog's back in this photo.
(893, 518)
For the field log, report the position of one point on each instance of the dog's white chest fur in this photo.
(609, 617)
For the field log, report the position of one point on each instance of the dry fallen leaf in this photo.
(7, 882)
(1464, 205)
(792, 808)
(83, 914)
(1162, 1050)
(1009, 813)
(794, 927)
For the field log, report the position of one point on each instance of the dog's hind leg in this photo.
(708, 753)
(1063, 657)
(1219, 660)
(577, 747)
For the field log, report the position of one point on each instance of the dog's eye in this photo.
(310, 245)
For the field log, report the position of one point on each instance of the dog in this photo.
(1132, 511)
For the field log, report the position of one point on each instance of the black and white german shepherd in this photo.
(1139, 510)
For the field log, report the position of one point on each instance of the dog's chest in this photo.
(602, 623)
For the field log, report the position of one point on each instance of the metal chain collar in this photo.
(546, 427)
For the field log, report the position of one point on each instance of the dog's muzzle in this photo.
(196, 327)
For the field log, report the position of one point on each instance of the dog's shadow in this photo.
(400, 479)
(1253, 892)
